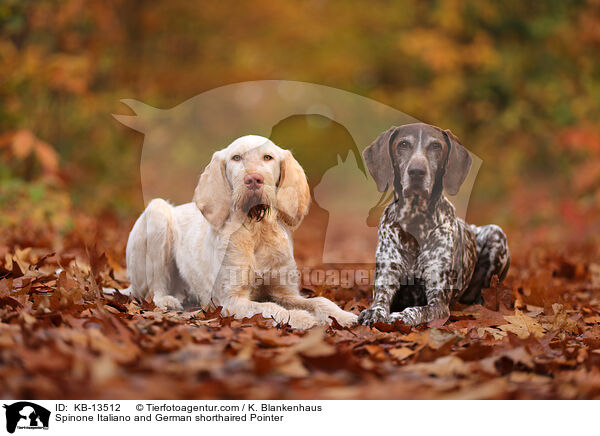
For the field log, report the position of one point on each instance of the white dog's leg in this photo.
(241, 307)
(321, 307)
(150, 254)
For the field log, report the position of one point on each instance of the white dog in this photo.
(232, 246)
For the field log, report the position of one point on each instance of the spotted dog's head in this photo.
(418, 160)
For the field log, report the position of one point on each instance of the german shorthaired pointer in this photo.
(427, 258)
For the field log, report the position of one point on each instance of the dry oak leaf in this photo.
(401, 353)
(498, 335)
(592, 319)
(446, 366)
(375, 351)
(312, 344)
(560, 320)
(438, 338)
(518, 355)
(523, 326)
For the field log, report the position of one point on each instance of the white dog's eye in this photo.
(267, 157)
(236, 157)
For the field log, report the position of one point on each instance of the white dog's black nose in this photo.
(253, 181)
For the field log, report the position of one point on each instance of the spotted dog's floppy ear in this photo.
(213, 193)
(457, 166)
(293, 193)
(378, 160)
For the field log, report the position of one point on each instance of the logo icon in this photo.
(26, 415)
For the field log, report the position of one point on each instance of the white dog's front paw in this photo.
(168, 302)
(345, 319)
(300, 319)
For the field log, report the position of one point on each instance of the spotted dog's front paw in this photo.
(398, 316)
(372, 315)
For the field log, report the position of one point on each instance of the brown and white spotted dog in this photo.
(427, 258)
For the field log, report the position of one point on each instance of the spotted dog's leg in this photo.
(387, 282)
(391, 266)
(493, 258)
(438, 307)
(439, 288)
(438, 263)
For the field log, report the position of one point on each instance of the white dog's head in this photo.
(256, 177)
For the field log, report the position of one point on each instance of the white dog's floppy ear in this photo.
(293, 194)
(213, 194)
(458, 166)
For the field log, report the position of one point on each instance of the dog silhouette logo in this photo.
(26, 415)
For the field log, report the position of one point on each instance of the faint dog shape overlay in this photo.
(317, 123)
(427, 258)
(348, 236)
(321, 145)
(232, 246)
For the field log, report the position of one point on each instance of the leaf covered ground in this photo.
(61, 337)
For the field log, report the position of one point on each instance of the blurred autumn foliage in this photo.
(516, 81)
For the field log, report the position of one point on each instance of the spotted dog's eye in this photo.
(436, 145)
(267, 157)
(236, 157)
(403, 144)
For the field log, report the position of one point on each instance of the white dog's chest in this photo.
(273, 252)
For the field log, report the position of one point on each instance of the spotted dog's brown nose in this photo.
(253, 181)
(417, 171)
